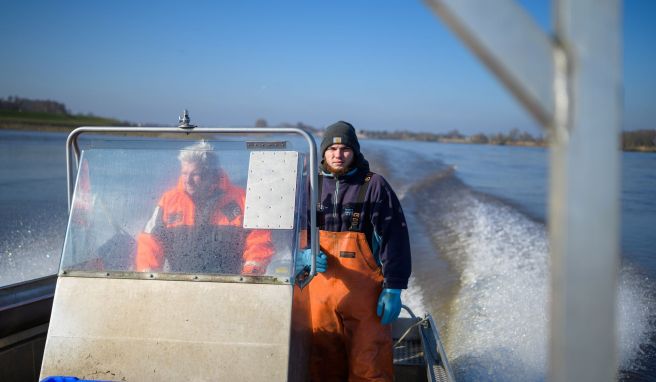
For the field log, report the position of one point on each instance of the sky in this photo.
(387, 65)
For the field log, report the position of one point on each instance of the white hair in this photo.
(201, 153)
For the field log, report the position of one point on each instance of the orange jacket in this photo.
(209, 240)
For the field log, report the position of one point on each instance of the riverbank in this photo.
(48, 122)
(52, 122)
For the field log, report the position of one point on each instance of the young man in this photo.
(198, 225)
(364, 234)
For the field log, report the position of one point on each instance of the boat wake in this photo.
(30, 244)
(480, 265)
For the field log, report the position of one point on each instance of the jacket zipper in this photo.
(335, 202)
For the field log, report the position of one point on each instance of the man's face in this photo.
(196, 181)
(338, 158)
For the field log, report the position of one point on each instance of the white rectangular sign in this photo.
(271, 190)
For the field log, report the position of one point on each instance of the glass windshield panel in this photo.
(173, 211)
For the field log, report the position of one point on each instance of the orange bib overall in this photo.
(348, 340)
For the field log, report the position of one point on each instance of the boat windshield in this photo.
(207, 208)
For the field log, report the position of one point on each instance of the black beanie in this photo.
(340, 132)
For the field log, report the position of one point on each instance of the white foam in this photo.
(29, 256)
(635, 310)
(412, 298)
(499, 321)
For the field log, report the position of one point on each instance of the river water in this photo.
(480, 256)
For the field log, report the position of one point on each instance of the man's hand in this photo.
(389, 305)
(253, 268)
(304, 262)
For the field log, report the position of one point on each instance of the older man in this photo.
(364, 234)
(198, 225)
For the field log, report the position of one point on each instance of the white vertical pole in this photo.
(584, 205)
(582, 115)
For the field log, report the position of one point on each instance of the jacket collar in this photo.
(331, 175)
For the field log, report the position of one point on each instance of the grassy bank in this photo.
(20, 120)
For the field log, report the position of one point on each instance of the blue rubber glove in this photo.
(304, 262)
(389, 305)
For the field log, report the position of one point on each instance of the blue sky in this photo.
(388, 65)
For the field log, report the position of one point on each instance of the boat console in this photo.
(197, 315)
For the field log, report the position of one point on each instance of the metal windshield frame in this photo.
(73, 156)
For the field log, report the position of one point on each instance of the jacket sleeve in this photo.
(390, 238)
(258, 248)
(150, 253)
(257, 252)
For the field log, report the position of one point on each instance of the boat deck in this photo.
(416, 354)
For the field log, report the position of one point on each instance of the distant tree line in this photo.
(33, 105)
(23, 113)
(514, 137)
(261, 122)
(639, 140)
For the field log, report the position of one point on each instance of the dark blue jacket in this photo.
(382, 220)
